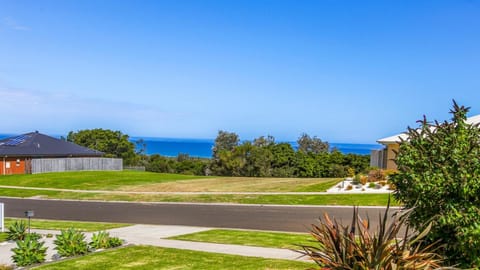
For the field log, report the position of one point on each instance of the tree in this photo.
(112, 143)
(439, 177)
(225, 141)
(283, 160)
(307, 144)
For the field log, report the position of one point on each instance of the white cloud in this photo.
(12, 24)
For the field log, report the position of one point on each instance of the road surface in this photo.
(258, 217)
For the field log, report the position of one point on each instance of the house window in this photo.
(18, 162)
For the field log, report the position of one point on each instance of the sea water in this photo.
(203, 147)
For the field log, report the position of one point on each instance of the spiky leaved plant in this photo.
(17, 231)
(355, 247)
(103, 239)
(70, 242)
(29, 251)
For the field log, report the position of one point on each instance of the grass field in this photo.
(147, 181)
(63, 224)
(329, 199)
(241, 184)
(92, 180)
(133, 181)
(249, 238)
(148, 257)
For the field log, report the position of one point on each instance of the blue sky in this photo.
(345, 71)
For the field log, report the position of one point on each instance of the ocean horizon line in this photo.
(202, 147)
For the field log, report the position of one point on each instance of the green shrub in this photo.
(350, 172)
(100, 240)
(372, 185)
(342, 247)
(17, 231)
(103, 240)
(70, 242)
(439, 174)
(115, 242)
(29, 251)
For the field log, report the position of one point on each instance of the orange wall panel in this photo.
(15, 167)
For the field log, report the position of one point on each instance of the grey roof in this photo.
(36, 144)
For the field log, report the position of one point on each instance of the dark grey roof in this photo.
(35, 144)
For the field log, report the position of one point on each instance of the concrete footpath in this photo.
(155, 235)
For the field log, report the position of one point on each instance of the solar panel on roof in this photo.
(16, 140)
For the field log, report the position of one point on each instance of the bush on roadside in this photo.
(17, 231)
(70, 242)
(29, 251)
(439, 175)
(356, 247)
(115, 242)
(103, 239)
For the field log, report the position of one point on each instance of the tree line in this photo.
(261, 157)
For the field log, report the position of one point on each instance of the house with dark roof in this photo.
(36, 152)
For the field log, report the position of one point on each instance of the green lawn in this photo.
(89, 180)
(63, 224)
(148, 257)
(327, 199)
(147, 181)
(250, 238)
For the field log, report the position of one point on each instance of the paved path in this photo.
(155, 236)
(193, 192)
(259, 217)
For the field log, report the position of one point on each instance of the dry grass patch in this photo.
(240, 184)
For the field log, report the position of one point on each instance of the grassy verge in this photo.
(327, 199)
(147, 257)
(62, 224)
(147, 181)
(249, 238)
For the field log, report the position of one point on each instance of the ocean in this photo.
(203, 147)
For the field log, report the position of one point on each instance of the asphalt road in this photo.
(260, 217)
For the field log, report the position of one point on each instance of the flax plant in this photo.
(355, 247)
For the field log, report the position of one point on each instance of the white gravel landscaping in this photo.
(349, 186)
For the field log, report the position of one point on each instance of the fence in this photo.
(44, 165)
(378, 158)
